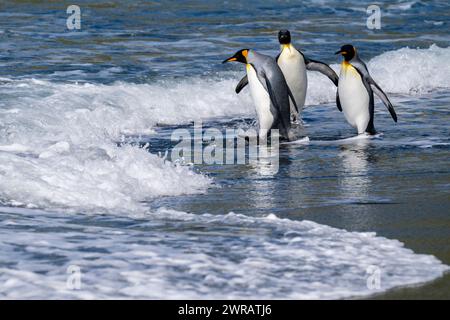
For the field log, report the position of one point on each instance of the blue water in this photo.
(141, 42)
(86, 119)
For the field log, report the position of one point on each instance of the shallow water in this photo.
(86, 118)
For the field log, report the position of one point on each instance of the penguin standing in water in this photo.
(294, 64)
(269, 90)
(355, 92)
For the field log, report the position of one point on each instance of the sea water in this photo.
(86, 119)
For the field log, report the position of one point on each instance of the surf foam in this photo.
(58, 146)
(263, 258)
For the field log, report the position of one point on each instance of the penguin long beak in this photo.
(240, 56)
(340, 52)
(229, 59)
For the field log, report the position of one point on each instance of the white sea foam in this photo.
(404, 5)
(304, 140)
(262, 258)
(412, 70)
(58, 148)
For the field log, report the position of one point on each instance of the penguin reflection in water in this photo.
(355, 92)
(269, 91)
(293, 63)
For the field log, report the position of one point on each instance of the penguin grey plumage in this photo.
(294, 64)
(269, 90)
(355, 92)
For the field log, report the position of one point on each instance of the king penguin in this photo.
(269, 91)
(355, 92)
(294, 64)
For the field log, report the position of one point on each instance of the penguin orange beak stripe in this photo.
(240, 56)
(229, 59)
(341, 52)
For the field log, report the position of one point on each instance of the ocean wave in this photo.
(58, 141)
(264, 257)
(58, 147)
(412, 71)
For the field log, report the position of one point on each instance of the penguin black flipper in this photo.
(377, 90)
(284, 132)
(362, 69)
(272, 95)
(338, 102)
(370, 126)
(314, 65)
(285, 121)
(241, 85)
(277, 57)
(292, 98)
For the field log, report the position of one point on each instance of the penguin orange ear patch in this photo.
(245, 53)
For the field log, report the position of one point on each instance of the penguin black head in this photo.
(284, 37)
(348, 51)
(240, 56)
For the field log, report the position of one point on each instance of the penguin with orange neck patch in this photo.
(293, 63)
(355, 92)
(269, 90)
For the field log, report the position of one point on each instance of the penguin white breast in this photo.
(261, 100)
(354, 98)
(292, 63)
